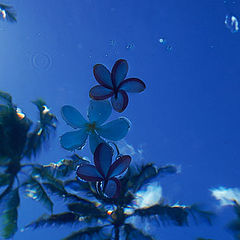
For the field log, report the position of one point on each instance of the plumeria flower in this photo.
(115, 85)
(98, 113)
(104, 170)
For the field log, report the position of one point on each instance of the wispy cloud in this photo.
(152, 195)
(226, 196)
(128, 149)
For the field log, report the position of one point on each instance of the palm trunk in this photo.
(116, 230)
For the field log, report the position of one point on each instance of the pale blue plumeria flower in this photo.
(98, 113)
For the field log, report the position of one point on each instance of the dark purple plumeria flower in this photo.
(115, 85)
(104, 170)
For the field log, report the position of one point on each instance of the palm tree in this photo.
(18, 143)
(7, 13)
(104, 218)
(234, 226)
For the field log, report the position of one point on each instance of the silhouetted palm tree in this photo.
(234, 226)
(106, 218)
(17, 144)
(7, 13)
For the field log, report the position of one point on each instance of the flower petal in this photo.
(119, 166)
(103, 158)
(94, 141)
(120, 102)
(72, 116)
(102, 75)
(119, 72)
(89, 173)
(100, 92)
(74, 140)
(132, 85)
(112, 188)
(99, 111)
(115, 130)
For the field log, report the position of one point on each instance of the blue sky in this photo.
(189, 113)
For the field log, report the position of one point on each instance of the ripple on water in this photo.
(41, 61)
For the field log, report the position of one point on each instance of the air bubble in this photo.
(130, 46)
(164, 42)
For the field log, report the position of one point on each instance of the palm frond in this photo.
(65, 167)
(88, 209)
(8, 189)
(5, 179)
(8, 13)
(202, 215)
(176, 215)
(4, 96)
(9, 216)
(4, 161)
(88, 233)
(88, 188)
(168, 169)
(136, 178)
(36, 191)
(45, 174)
(61, 192)
(234, 226)
(133, 233)
(47, 119)
(41, 133)
(3, 109)
(54, 220)
(53, 184)
(76, 185)
(14, 127)
(237, 209)
(204, 239)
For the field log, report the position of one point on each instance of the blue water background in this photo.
(189, 114)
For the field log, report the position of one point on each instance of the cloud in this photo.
(151, 196)
(226, 196)
(127, 149)
(147, 198)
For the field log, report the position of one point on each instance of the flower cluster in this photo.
(113, 85)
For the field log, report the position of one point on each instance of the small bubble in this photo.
(162, 40)
(41, 61)
(130, 46)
